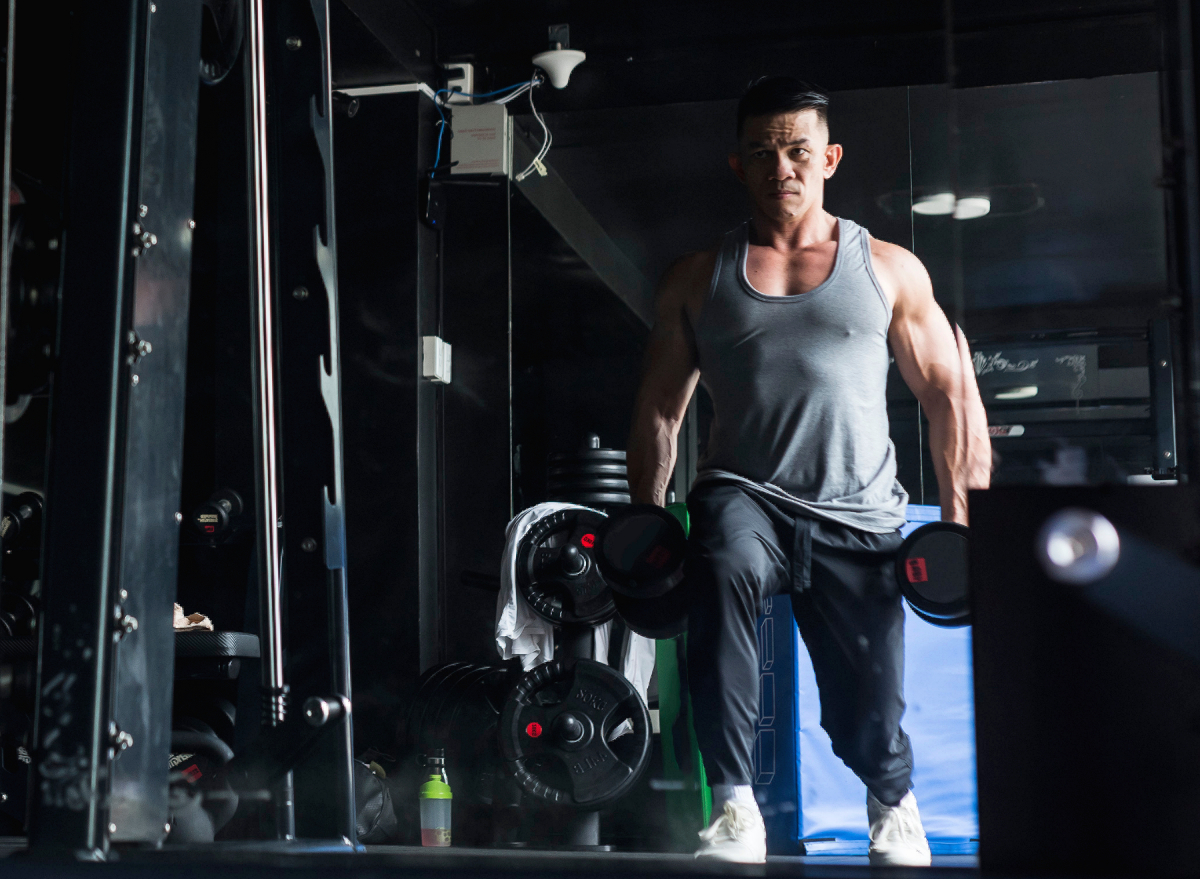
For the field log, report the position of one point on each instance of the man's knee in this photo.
(741, 570)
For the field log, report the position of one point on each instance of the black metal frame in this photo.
(304, 267)
(110, 536)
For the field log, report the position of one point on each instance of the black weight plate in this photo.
(590, 484)
(587, 456)
(554, 595)
(591, 499)
(604, 468)
(592, 770)
(221, 38)
(430, 733)
(640, 550)
(660, 618)
(931, 568)
(427, 688)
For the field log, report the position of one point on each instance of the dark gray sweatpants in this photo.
(842, 583)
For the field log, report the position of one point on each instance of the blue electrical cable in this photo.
(437, 159)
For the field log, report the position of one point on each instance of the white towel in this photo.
(521, 632)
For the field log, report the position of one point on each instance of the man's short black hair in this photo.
(769, 95)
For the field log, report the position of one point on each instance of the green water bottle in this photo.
(435, 802)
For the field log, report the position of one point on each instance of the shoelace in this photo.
(732, 822)
(897, 824)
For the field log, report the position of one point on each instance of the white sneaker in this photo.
(737, 835)
(897, 837)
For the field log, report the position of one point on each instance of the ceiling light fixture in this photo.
(939, 204)
(943, 204)
(972, 207)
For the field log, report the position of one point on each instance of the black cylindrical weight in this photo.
(931, 568)
(641, 550)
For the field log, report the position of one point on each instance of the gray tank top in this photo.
(799, 388)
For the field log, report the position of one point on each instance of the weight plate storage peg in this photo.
(557, 571)
(575, 734)
(931, 567)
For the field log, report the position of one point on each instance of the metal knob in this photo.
(570, 728)
(319, 711)
(1078, 546)
(572, 560)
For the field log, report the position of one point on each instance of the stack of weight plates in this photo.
(592, 476)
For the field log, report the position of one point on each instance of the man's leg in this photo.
(734, 561)
(852, 621)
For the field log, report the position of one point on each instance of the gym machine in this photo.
(107, 656)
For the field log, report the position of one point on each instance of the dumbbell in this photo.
(640, 551)
(215, 517)
(931, 567)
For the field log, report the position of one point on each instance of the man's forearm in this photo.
(961, 451)
(650, 458)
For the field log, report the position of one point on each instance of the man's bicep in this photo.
(921, 338)
(670, 369)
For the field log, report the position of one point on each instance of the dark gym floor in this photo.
(243, 861)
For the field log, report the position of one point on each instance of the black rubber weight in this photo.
(931, 568)
(598, 699)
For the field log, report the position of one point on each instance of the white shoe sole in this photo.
(731, 855)
(899, 859)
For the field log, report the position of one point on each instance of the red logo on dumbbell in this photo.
(588, 540)
(658, 557)
(533, 730)
(915, 568)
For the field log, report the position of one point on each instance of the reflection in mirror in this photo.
(1054, 255)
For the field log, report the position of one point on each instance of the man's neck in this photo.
(815, 226)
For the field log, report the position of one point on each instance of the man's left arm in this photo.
(935, 362)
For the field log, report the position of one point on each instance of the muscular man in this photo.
(789, 323)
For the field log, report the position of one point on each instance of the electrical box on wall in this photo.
(435, 359)
(460, 77)
(482, 142)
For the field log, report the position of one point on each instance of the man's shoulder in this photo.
(893, 256)
(898, 268)
(690, 273)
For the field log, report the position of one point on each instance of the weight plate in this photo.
(426, 688)
(544, 575)
(587, 456)
(606, 468)
(558, 734)
(659, 618)
(641, 550)
(590, 484)
(221, 36)
(590, 499)
(931, 568)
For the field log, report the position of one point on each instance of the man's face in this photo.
(784, 160)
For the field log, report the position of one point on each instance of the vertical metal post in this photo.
(1162, 397)
(6, 172)
(69, 813)
(263, 370)
(156, 360)
(1182, 167)
(294, 39)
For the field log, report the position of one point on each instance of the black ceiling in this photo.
(645, 53)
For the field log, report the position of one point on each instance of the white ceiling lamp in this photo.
(560, 60)
(944, 204)
(972, 207)
(939, 204)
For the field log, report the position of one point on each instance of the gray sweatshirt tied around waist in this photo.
(798, 385)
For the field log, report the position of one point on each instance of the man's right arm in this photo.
(669, 375)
